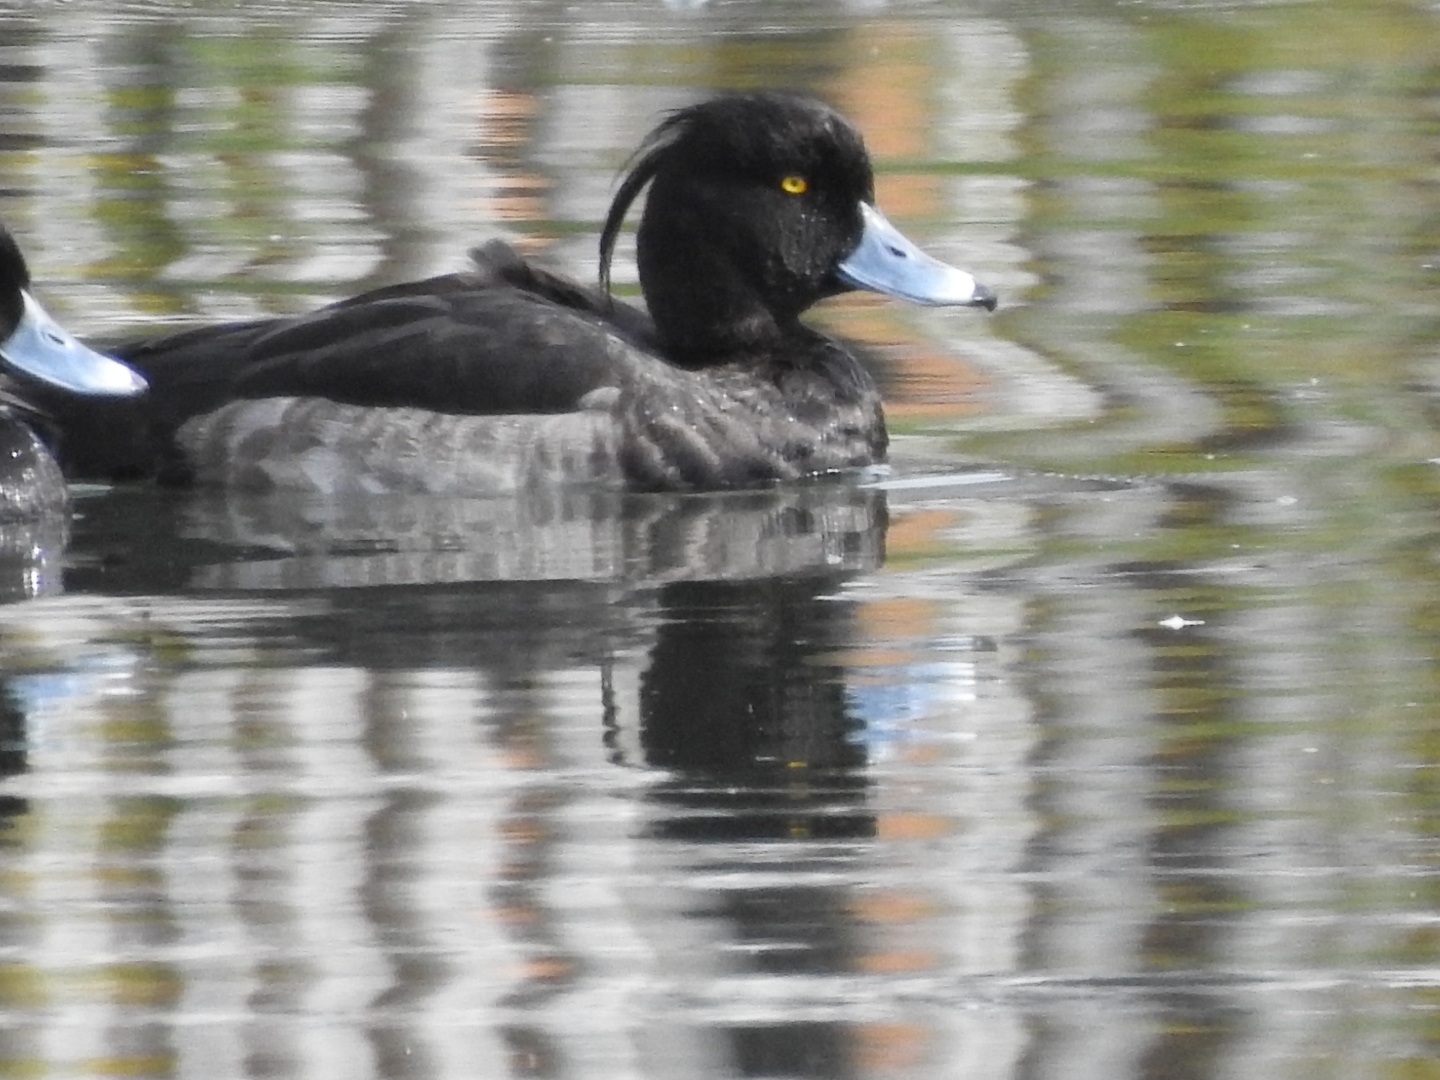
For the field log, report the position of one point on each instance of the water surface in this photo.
(1094, 740)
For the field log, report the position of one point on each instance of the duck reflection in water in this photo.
(743, 704)
(730, 700)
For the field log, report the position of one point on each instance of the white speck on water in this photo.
(1179, 622)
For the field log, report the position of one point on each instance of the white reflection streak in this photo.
(595, 882)
(328, 853)
(72, 942)
(70, 118)
(284, 746)
(974, 872)
(1096, 110)
(978, 121)
(438, 721)
(214, 960)
(448, 190)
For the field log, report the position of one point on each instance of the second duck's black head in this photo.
(758, 205)
(14, 284)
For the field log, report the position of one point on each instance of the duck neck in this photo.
(705, 310)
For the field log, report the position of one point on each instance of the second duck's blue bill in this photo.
(44, 350)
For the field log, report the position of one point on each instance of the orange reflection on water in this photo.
(881, 1048)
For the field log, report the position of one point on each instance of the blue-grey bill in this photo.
(44, 350)
(887, 262)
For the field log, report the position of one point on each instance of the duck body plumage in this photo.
(507, 375)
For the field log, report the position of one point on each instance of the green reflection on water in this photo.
(1281, 212)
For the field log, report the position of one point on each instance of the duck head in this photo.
(761, 204)
(34, 344)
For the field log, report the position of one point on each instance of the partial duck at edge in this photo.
(41, 365)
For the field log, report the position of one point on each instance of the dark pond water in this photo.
(1096, 739)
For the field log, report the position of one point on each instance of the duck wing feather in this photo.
(504, 337)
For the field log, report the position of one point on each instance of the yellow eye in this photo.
(795, 185)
